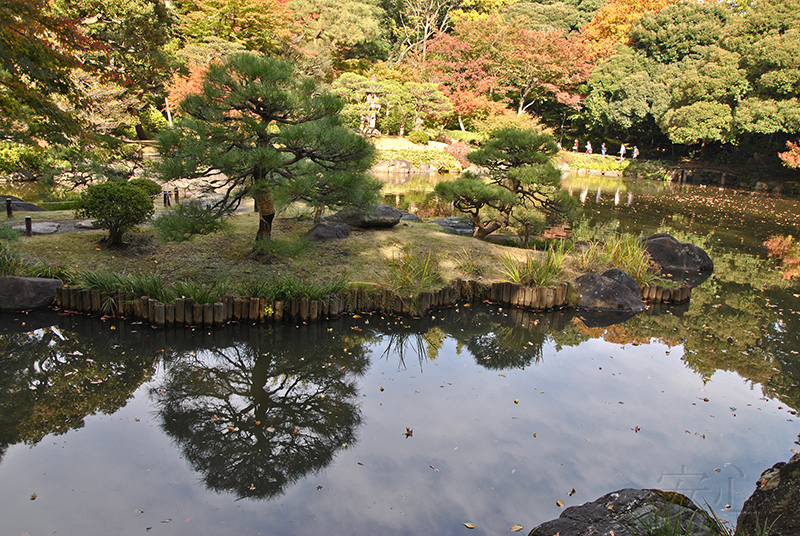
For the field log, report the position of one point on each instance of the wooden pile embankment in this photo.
(186, 312)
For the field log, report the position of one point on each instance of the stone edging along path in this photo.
(256, 310)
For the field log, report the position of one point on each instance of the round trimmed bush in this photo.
(150, 187)
(115, 206)
(419, 136)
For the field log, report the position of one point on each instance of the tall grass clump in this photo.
(187, 220)
(532, 272)
(151, 285)
(468, 264)
(629, 254)
(592, 258)
(413, 271)
(287, 288)
(8, 234)
(10, 263)
(202, 292)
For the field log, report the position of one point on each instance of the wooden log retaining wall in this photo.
(256, 310)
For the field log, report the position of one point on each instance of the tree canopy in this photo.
(271, 134)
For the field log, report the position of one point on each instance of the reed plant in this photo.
(532, 272)
(287, 288)
(202, 292)
(468, 264)
(151, 285)
(592, 258)
(629, 254)
(413, 271)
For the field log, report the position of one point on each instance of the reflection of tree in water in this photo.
(497, 340)
(253, 420)
(51, 380)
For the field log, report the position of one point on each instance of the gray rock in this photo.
(39, 227)
(453, 225)
(613, 290)
(25, 293)
(329, 231)
(672, 255)
(376, 216)
(407, 216)
(630, 512)
(774, 503)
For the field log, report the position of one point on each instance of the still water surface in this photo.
(376, 425)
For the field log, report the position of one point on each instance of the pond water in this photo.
(378, 425)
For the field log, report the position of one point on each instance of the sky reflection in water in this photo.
(473, 456)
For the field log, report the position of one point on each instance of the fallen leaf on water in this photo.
(319, 487)
(516, 400)
(610, 506)
(469, 525)
(33, 497)
(231, 428)
(795, 451)
(166, 520)
(560, 503)
(409, 432)
(636, 429)
(381, 389)
(572, 492)
(432, 467)
(534, 434)
(356, 316)
(516, 528)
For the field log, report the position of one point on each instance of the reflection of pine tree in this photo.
(50, 380)
(254, 422)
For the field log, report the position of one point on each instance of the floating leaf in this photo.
(516, 400)
(560, 503)
(409, 432)
(572, 492)
(33, 497)
(516, 528)
(469, 525)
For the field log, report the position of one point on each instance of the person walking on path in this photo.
(588, 147)
(575, 146)
(603, 149)
(622, 152)
(635, 152)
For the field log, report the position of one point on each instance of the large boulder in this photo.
(674, 256)
(631, 512)
(773, 506)
(375, 216)
(613, 290)
(25, 293)
(329, 231)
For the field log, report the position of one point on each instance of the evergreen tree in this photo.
(260, 129)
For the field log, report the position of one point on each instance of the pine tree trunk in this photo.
(266, 213)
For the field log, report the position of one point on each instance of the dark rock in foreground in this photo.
(25, 293)
(613, 290)
(672, 255)
(329, 231)
(775, 504)
(630, 512)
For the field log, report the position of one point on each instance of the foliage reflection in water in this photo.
(508, 411)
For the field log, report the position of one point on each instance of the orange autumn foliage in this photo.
(612, 22)
(791, 158)
(787, 250)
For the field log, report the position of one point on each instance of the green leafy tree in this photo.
(520, 175)
(39, 48)
(117, 207)
(272, 134)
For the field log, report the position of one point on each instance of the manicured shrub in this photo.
(419, 136)
(150, 187)
(117, 207)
